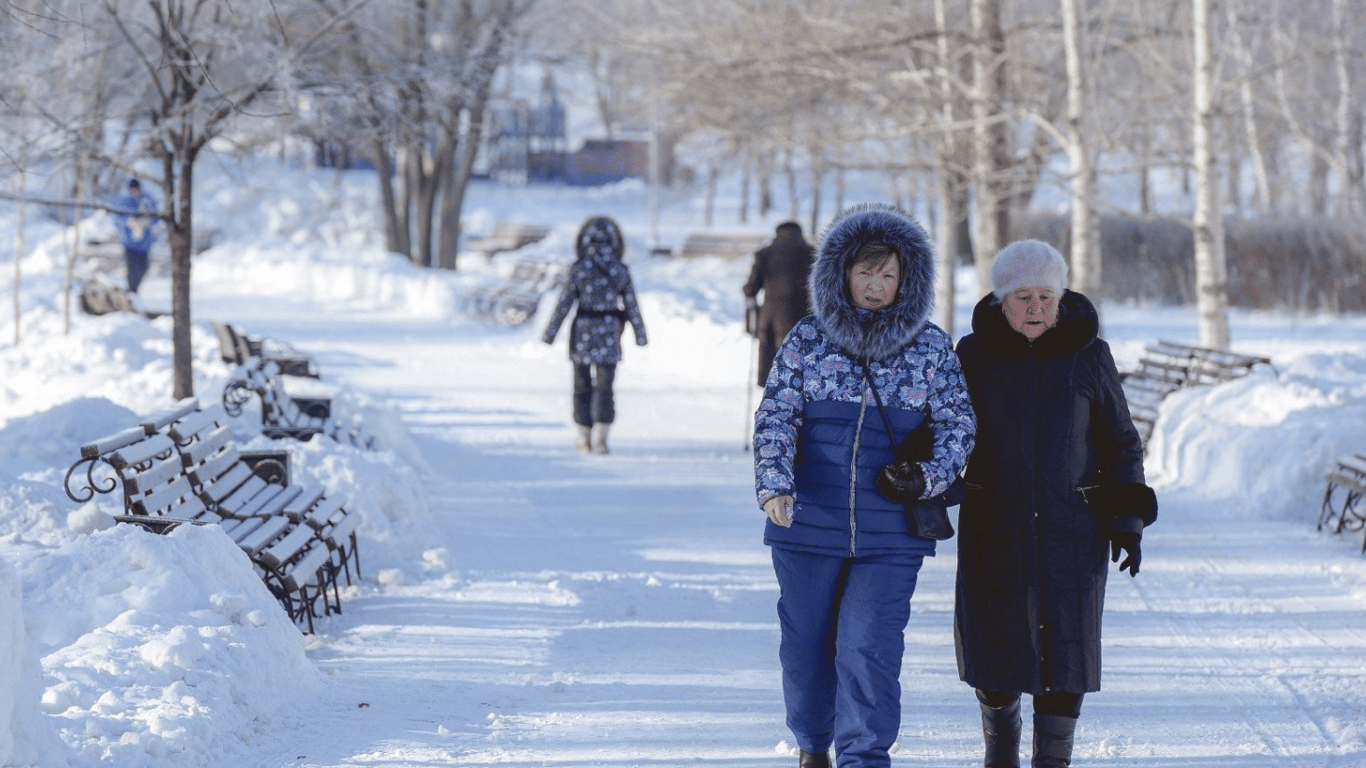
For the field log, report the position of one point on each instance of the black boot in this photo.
(814, 760)
(1053, 740)
(1001, 732)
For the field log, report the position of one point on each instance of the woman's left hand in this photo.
(903, 481)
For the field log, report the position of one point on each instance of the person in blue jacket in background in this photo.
(135, 219)
(828, 478)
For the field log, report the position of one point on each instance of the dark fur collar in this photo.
(1078, 326)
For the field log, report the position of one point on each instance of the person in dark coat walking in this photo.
(844, 556)
(1056, 490)
(600, 284)
(781, 270)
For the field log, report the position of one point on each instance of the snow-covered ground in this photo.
(524, 605)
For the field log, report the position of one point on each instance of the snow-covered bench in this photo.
(514, 300)
(508, 236)
(1341, 510)
(236, 348)
(182, 467)
(1166, 366)
(291, 406)
(726, 246)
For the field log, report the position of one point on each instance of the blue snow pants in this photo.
(137, 268)
(842, 621)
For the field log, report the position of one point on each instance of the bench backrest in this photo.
(727, 246)
(155, 484)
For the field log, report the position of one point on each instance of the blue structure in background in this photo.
(526, 144)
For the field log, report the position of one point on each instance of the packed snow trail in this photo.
(619, 611)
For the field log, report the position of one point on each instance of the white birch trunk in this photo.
(1086, 257)
(946, 240)
(1211, 273)
(1248, 102)
(986, 28)
(19, 247)
(1350, 191)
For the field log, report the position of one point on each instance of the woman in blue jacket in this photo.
(844, 556)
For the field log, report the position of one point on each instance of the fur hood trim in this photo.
(881, 334)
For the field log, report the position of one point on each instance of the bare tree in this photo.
(414, 79)
(198, 66)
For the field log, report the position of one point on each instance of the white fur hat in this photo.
(1028, 264)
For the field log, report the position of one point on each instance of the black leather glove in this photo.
(1126, 543)
(902, 481)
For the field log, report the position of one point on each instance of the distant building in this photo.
(601, 161)
(527, 144)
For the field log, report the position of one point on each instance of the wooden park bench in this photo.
(236, 348)
(1347, 482)
(291, 406)
(181, 467)
(1166, 366)
(726, 246)
(514, 301)
(508, 236)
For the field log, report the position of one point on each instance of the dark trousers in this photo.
(137, 268)
(842, 621)
(593, 401)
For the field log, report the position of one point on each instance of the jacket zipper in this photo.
(853, 476)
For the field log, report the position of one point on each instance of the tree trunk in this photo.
(395, 235)
(991, 153)
(1349, 182)
(1211, 275)
(709, 210)
(1086, 256)
(19, 248)
(948, 250)
(423, 171)
(1248, 103)
(745, 175)
(817, 178)
(180, 239)
(453, 195)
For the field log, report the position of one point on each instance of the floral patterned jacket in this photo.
(819, 434)
(601, 286)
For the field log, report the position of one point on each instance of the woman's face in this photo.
(1031, 311)
(873, 285)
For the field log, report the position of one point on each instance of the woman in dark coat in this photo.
(844, 556)
(601, 286)
(1055, 486)
(781, 270)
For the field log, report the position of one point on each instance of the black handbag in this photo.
(927, 518)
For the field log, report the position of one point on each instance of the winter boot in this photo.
(584, 441)
(814, 760)
(1001, 732)
(600, 438)
(1053, 740)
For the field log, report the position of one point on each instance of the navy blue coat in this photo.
(1032, 555)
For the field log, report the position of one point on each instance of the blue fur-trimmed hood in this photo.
(896, 326)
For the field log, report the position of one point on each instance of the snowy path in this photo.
(618, 611)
